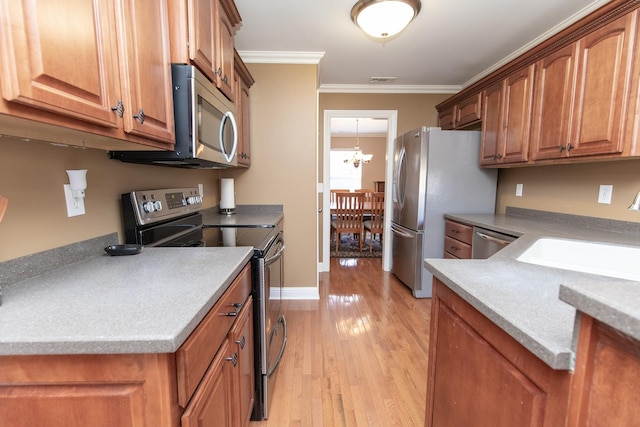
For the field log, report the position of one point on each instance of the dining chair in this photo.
(349, 217)
(375, 225)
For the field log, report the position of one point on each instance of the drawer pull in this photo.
(453, 248)
(233, 359)
(242, 342)
(238, 307)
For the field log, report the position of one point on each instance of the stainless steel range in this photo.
(172, 218)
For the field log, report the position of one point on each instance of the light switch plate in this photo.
(604, 195)
(75, 207)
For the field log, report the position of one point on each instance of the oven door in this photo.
(274, 333)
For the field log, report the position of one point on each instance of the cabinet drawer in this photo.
(195, 355)
(458, 231)
(457, 248)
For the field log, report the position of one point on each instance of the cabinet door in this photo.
(607, 377)
(492, 127)
(212, 404)
(517, 116)
(244, 133)
(241, 337)
(225, 54)
(201, 36)
(469, 111)
(61, 59)
(555, 77)
(478, 372)
(445, 119)
(147, 89)
(602, 88)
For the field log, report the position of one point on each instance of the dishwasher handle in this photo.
(495, 240)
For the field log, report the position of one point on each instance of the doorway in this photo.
(392, 123)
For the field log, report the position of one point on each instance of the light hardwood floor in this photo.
(356, 357)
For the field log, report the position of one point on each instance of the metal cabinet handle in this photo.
(569, 147)
(237, 306)
(219, 72)
(119, 108)
(242, 342)
(233, 359)
(140, 116)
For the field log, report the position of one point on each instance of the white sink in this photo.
(604, 259)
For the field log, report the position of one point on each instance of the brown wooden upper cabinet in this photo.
(583, 93)
(506, 119)
(574, 97)
(465, 113)
(468, 111)
(244, 81)
(202, 34)
(99, 66)
(446, 118)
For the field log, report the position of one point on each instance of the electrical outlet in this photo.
(604, 195)
(518, 190)
(75, 206)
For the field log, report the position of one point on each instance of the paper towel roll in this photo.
(227, 194)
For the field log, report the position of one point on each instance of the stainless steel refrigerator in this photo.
(435, 172)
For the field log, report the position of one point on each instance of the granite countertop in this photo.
(146, 303)
(246, 215)
(534, 304)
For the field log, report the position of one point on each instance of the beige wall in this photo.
(32, 175)
(573, 189)
(374, 170)
(283, 157)
(414, 110)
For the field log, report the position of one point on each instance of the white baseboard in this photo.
(306, 293)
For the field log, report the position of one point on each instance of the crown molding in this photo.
(393, 89)
(280, 57)
(592, 7)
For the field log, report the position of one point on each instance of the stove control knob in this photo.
(158, 205)
(191, 200)
(199, 199)
(148, 207)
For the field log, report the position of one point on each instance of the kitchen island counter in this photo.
(146, 303)
(536, 305)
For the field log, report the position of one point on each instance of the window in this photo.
(343, 175)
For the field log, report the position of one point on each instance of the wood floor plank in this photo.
(358, 356)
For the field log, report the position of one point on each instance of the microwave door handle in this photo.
(228, 156)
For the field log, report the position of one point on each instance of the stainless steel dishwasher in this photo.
(487, 242)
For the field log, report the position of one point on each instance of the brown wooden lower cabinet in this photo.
(143, 390)
(607, 377)
(479, 375)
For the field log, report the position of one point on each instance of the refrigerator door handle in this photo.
(400, 175)
(400, 232)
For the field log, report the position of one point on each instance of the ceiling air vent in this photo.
(382, 79)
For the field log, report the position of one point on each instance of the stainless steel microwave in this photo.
(205, 125)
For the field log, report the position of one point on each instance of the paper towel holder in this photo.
(227, 196)
(227, 211)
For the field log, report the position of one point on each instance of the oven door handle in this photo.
(282, 320)
(277, 256)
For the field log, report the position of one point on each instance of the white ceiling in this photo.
(448, 46)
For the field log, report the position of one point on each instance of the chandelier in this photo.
(383, 19)
(358, 157)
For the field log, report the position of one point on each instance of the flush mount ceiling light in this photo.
(383, 19)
